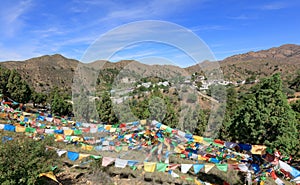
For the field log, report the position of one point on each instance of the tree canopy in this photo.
(266, 118)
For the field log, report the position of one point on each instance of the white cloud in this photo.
(11, 16)
(241, 17)
(209, 28)
(274, 6)
(18, 53)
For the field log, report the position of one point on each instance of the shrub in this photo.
(22, 160)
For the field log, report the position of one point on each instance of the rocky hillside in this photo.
(284, 59)
(45, 72)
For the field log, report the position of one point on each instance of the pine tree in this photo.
(105, 109)
(266, 118)
(59, 105)
(18, 89)
(231, 107)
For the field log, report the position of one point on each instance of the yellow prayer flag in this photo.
(3, 115)
(20, 128)
(197, 139)
(200, 158)
(163, 127)
(87, 147)
(208, 167)
(50, 175)
(177, 150)
(143, 122)
(68, 132)
(197, 182)
(26, 114)
(149, 166)
(82, 156)
(59, 137)
(258, 149)
(22, 118)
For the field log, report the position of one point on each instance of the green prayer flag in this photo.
(161, 167)
(118, 148)
(169, 130)
(133, 167)
(95, 156)
(222, 167)
(161, 140)
(69, 138)
(182, 155)
(208, 140)
(219, 158)
(174, 143)
(30, 130)
(217, 144)
(189, 179)
(53, 168)
(77, 132)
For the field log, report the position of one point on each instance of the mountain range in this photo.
(46, 72)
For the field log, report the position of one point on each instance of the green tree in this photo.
(295, 83)
(296, 107)
(105, 109)
(195, 120)
(191, 98)
(231, 108)
(218, 92)
(38, 98)
(59, 105)
(22, 160)
(4, 75)
(266, 118)
(17, 88)
(84, 107)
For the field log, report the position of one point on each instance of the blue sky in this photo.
(32, 28)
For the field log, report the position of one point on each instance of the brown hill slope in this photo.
(45, 72)
(284, 59)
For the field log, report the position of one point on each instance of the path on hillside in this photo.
(204, 95)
